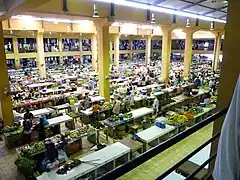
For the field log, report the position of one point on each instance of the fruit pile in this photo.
(128, 115)
(177, 119)
(77, 133)
(114, 118)
(195, 111)
(33, 149)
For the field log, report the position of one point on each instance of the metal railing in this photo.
(123, 169)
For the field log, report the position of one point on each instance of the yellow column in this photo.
(94, 52)
(111, 52)
(40, 53)
(6, 111)
(217, 48)
(60, 50)
(102, 27)
(80, 49)
(116, 50)
(131, 44)
(188, 52)
(15, 49)
(166, 52)
(148, 49)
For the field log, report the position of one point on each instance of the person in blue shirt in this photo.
(91, 84)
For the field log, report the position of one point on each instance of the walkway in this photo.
(160, 163)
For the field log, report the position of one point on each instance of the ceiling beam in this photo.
(158, 2)
(212, 11)
(192, 4)
(200, 5)
(223, 16)
(15, 7)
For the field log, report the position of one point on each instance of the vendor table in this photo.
(40, 112)
(194, 162)
(100, 158)
(133, 145)
(150, 86)
(141, 112)
(174, 176)
(58, 120)
(154, 133)
(48, 91)
(35, 85)
(61, 107)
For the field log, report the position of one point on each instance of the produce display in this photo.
(10, 129)
(177, 119)
(80, 132)
(195, 111)
(69, 166)
(128, 115)
(40, 146)
(32, 149)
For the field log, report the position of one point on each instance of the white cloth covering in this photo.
(227, 165)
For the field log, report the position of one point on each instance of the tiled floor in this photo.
(8, 170)
(160, 163)
(149, 170)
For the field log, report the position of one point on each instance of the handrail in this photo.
(121, 170)
(201, 167)
(178, 164)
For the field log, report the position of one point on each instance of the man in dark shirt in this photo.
(28, 115)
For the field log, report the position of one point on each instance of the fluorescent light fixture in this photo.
(53, 20)
(153, 20)
(188, 23)
(95, 11)
(212, 25)
(161, 10)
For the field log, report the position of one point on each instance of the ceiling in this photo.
(210, 8)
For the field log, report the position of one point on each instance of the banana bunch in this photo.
(177, 119)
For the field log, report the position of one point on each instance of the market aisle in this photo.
(157, 165)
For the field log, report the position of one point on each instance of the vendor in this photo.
(117, 106)
(41, 129)
(156, 106)
(87, 102)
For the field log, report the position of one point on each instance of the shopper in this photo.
(28, 115)
(27, 131)
(41, 129)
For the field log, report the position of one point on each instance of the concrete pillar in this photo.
(230, 66)
(116, 50)
(60, 46)
(15, 49)
(188, 52)
(102, 27)
(166, 52)
(6, 111)
(40, 54)
(217, 49)
(111, 52)
(148, 49)
(80, 50)
(131, 47)
(94, 52)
